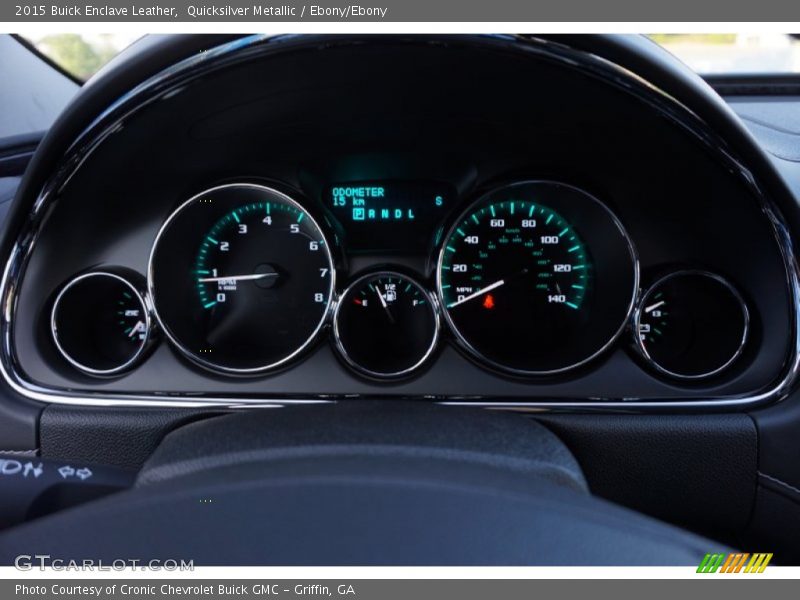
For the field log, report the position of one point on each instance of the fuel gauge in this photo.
(691, 324)
(386, 325)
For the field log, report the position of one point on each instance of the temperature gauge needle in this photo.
(252, 277)
(480, 292)
(652, 307)
(139, 327)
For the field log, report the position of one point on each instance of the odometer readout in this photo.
(527, 289)
(388, 215)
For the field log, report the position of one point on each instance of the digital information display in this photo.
(389, 215)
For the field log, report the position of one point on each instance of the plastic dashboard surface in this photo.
(423, 135)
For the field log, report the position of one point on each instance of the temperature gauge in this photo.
(691, 324)
(100, 323)
(386, 325)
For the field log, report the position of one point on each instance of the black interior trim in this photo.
(16, 152)
(755, 85)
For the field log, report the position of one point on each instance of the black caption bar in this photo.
(403, 11)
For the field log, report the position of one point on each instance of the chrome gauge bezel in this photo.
(477, 355)
(210, 365)
(641, 348)
(342, 351)
(140, 298)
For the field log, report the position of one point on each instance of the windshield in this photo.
(735, 53)
(82, 55)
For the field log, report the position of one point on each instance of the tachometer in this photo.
(537, 278)
(241, 278)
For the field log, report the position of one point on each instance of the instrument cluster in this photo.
(530, 278)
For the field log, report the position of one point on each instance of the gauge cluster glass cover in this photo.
(533, 278)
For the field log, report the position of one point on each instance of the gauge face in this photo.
(691, 324)
(386, 325)
(100, 323)
(241, 277)
(537, 278)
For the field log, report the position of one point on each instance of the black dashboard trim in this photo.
(187, 69)
(778, 84)
(16, 153)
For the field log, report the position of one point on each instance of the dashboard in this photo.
(298, 220)
(364, 231)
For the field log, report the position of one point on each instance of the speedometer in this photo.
(537, 278)
(242, 278)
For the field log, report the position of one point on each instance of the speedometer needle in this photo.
(652, 307)
(480, 292)
(237, 277)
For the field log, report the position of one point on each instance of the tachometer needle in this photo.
(652, 307)
(252, 277)
(480, 292)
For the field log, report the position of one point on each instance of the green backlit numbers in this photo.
(536, 277)
(241, 278)
(514, 242)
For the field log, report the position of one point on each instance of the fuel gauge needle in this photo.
(480, 292)
(383, 303)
